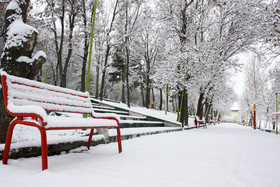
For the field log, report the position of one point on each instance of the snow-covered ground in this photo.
(221, 155)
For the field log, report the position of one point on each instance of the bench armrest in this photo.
(111, 116)
(28, 111)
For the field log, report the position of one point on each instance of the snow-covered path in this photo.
(222, 155)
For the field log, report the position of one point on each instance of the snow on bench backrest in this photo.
(22, 92)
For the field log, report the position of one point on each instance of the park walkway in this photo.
(222, 155)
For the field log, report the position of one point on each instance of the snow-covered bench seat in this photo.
(29, 101)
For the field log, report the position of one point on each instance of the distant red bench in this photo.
(199, 122)
(217, 121)
(211, 121)
(29, 102)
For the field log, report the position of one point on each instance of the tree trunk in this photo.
(127, 77)
(199, 112)
(97, 80)
(153, 99)
(60, 49)
(166, 99)
(184, 110)
(160, 99)
(148, 92)
(127, 54)
(86, 46)
(102, 87)
(70, 45)
(5, 118)
(123, 85)
(208, 110)
(142, 94)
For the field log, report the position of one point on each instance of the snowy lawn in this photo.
(222, 155)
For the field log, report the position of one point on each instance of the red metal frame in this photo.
(200, 122)
(44, 152)
(211, 121)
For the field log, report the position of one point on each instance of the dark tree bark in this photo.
(148, 92)
(142, 94)
(14, 58)
(104, 72)
(123, 84)
(127, 55)
(2, 24)
(166, 98)
(86, 46)
(208, 109)
(153, 97)
(148, 68)
(73, 14)
(200, 105)
(184, 110)
(97, 81)
(160, 99)
(127, 77)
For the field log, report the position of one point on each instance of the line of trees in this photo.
(145, 51)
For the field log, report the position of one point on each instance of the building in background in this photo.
(234, 116)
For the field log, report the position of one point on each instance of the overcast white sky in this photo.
(238, 79)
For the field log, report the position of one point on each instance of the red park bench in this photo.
(29, 101)
(211, 121)
(198, 122)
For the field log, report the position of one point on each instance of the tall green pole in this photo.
(276, 114)
(91, 42)
(90, 48)
(182, 97)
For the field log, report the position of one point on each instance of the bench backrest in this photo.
(22, 92)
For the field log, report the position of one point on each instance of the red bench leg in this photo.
(119, 139)
(44, 149)
(90, 138)
(8, 142)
